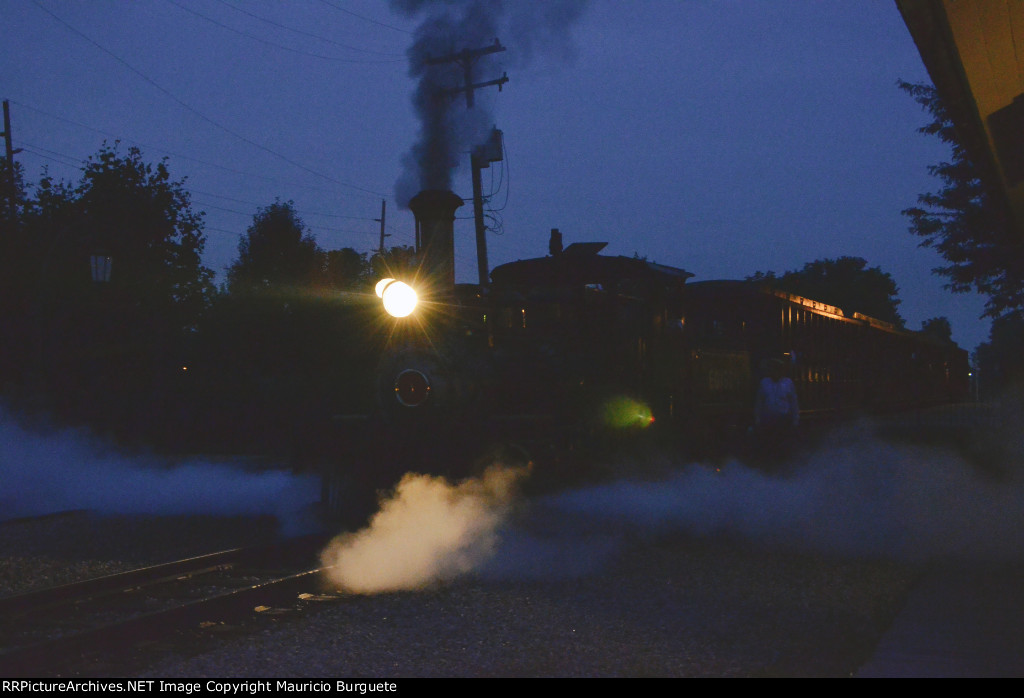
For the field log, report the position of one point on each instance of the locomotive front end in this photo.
(434, 367)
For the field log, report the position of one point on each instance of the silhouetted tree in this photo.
(395, 262)
(345, 269)
(8, 216)
(961, 222)
(134, 212)
(275, 253)
(846, 282)
(13, 278)
(131, 211)
(939, 328)
(115, 341)
(1000, 360)
(280, 352)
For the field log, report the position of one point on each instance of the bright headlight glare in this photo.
(399, 299)
(381, 285)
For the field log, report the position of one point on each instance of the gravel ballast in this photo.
(654, 606)
(672, 608)
(36, 553)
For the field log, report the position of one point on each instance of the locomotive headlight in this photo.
(381, 285)
(399, 298)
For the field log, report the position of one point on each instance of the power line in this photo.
(200, 114)
(54, 155)
(72, 161)
(159, 149)
(506, 172)
(305, 213)
(305, 33)
(249, 214)
(281, 46)
(365, 19)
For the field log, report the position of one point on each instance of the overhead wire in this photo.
(309, 34)
(365, 19)
(305, 213)
(299, 213)
(159, 149)
(506, 172)
(53, 154)
(199, 114)
(495, 188)
(65, 159)
(282, 46)
(40, 151)
(496, 223)
(70, 160)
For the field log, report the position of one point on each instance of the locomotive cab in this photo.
(586, 335)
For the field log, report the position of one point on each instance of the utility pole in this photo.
(478, 219)
(482, 155)
(383, 210)
(9, 151)
(466, 58)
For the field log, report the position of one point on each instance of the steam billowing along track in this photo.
(92, 627)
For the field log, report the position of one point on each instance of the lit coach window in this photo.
(399, 297)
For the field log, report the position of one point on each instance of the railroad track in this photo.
(97, 625)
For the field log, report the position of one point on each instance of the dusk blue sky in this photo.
(722, 137)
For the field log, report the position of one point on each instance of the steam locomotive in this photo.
(578, 345)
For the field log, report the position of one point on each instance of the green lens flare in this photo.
(627, 413)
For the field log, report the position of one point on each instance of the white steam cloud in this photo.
(429, 530)
(56, 470)
(856, 495)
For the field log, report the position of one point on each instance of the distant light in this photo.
(399, 299)
(381, 285)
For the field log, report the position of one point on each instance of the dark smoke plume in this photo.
(448, 130)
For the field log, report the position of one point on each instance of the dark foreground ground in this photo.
(961, 620)
(655, 606)
(668, 608)
(663, 608)
(590, 595)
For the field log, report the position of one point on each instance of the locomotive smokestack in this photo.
(435, 234)
(555, 243)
